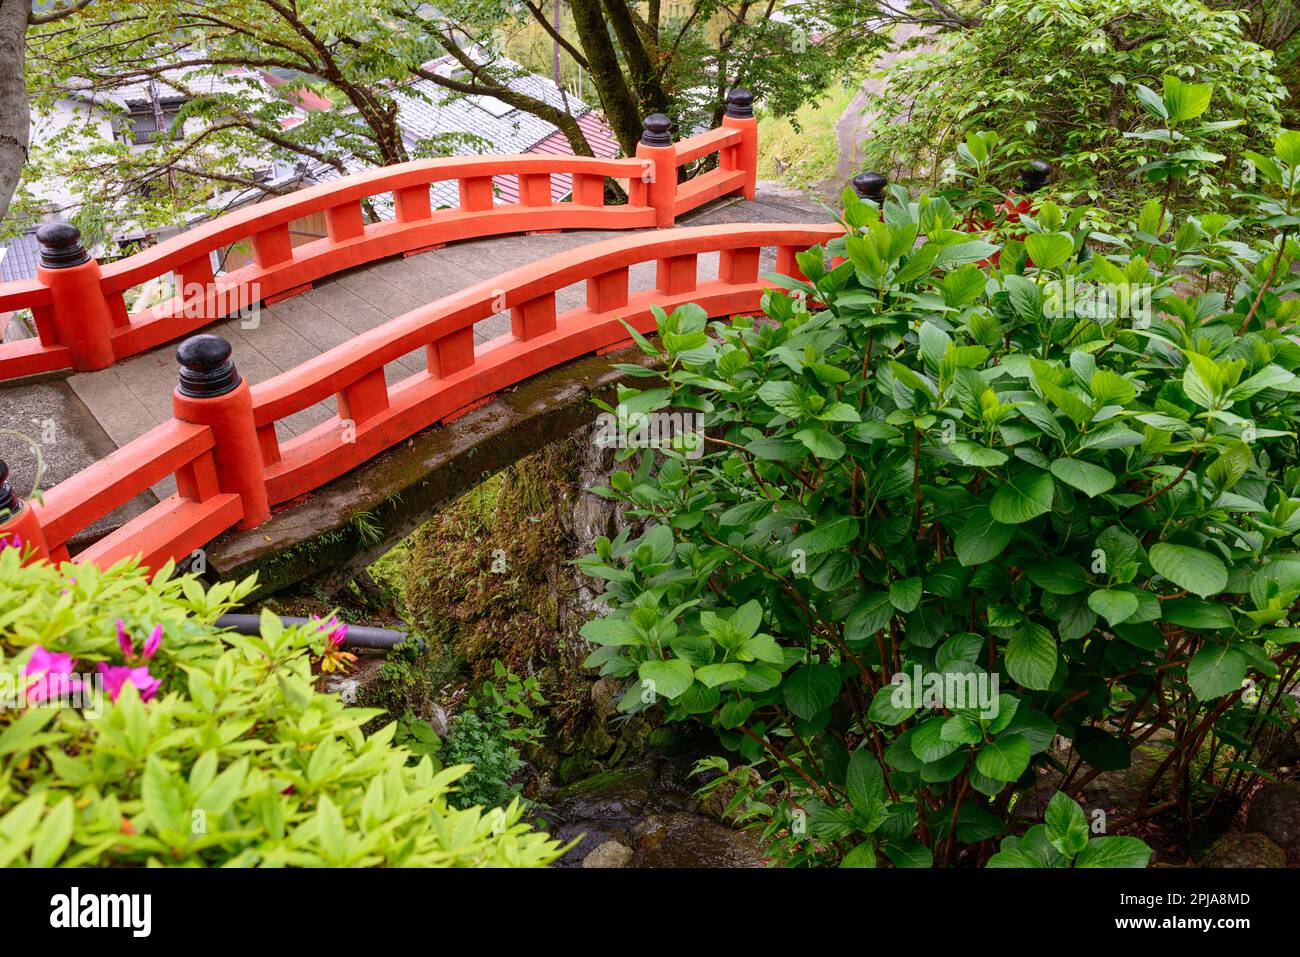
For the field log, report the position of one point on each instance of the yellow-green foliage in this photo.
(237, 759)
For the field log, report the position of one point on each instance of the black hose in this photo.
(358, 636)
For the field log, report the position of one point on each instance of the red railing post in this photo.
(1020, 199)
(658, 168)
(212, 393)
(19, 525)
(82, 318)
(740, 116)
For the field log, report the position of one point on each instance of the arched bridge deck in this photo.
(367, 337)
(78, 420)
(131, 397)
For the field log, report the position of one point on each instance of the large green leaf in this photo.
(1049, 250)
(871, 614)
(828, 536)
(1022, 497)
(864, 781)
(1185, 101)
(905, 594)
(1191, 568)
(1114, 852)
(1031, 657)
(1113, 605)
(928, 742)
(1090, 479)
(821, 443)
(981, 539)
(883, 710)
(1060, 576)
(810, 689)
(670, 677)
(1067, 826)
(1005, 758)
(1216, 670)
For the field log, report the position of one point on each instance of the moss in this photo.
(488, 579)
(635, 781)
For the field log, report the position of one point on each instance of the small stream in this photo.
(650, 809)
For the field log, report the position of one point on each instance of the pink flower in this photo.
(51, 674)
(336, 631)
(116, 677)
(11, 541)
(127, 644)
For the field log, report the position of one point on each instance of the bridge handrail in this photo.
(80, 308)
(230, 465)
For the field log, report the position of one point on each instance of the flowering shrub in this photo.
(332, 656)
(956, 510)
(206, 748)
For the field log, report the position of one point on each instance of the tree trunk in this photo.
(14, 122)
(618, 101)
(649, 89)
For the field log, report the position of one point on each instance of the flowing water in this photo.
(650, 809)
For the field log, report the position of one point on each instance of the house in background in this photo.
(137, 113)
(426, 110)
(472, 125)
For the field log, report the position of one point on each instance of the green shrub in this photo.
(489, 733)
(235, 759)
(1055, 80)
(1077, 513)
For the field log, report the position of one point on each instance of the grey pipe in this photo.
(359, 636)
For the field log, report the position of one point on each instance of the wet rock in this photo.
(1275, 813)
(1244, 850)
(648, 808)
(682, 839)
(605, 694)
(609, 854)
(438, 718)
(620, 794)
(346, 688)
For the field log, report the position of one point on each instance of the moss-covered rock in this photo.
(490, 578)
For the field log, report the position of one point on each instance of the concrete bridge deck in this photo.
(75, 421)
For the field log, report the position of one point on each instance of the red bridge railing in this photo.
(222, 446)
(80, 307)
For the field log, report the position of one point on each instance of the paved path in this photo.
(855, 123)
(78, 420)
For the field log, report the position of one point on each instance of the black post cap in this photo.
(9, 502)
(740, 103)
(871, 187)
(61, 246)
(1034, 176)
(656, 127)
(207, 370)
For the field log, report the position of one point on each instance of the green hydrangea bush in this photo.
(1061, 80)
(205, 747)
(1058, 477)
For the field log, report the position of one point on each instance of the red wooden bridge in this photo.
(231, 464)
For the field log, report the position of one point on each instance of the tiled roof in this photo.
(197, 79)
(426, 110)
(20, 258)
